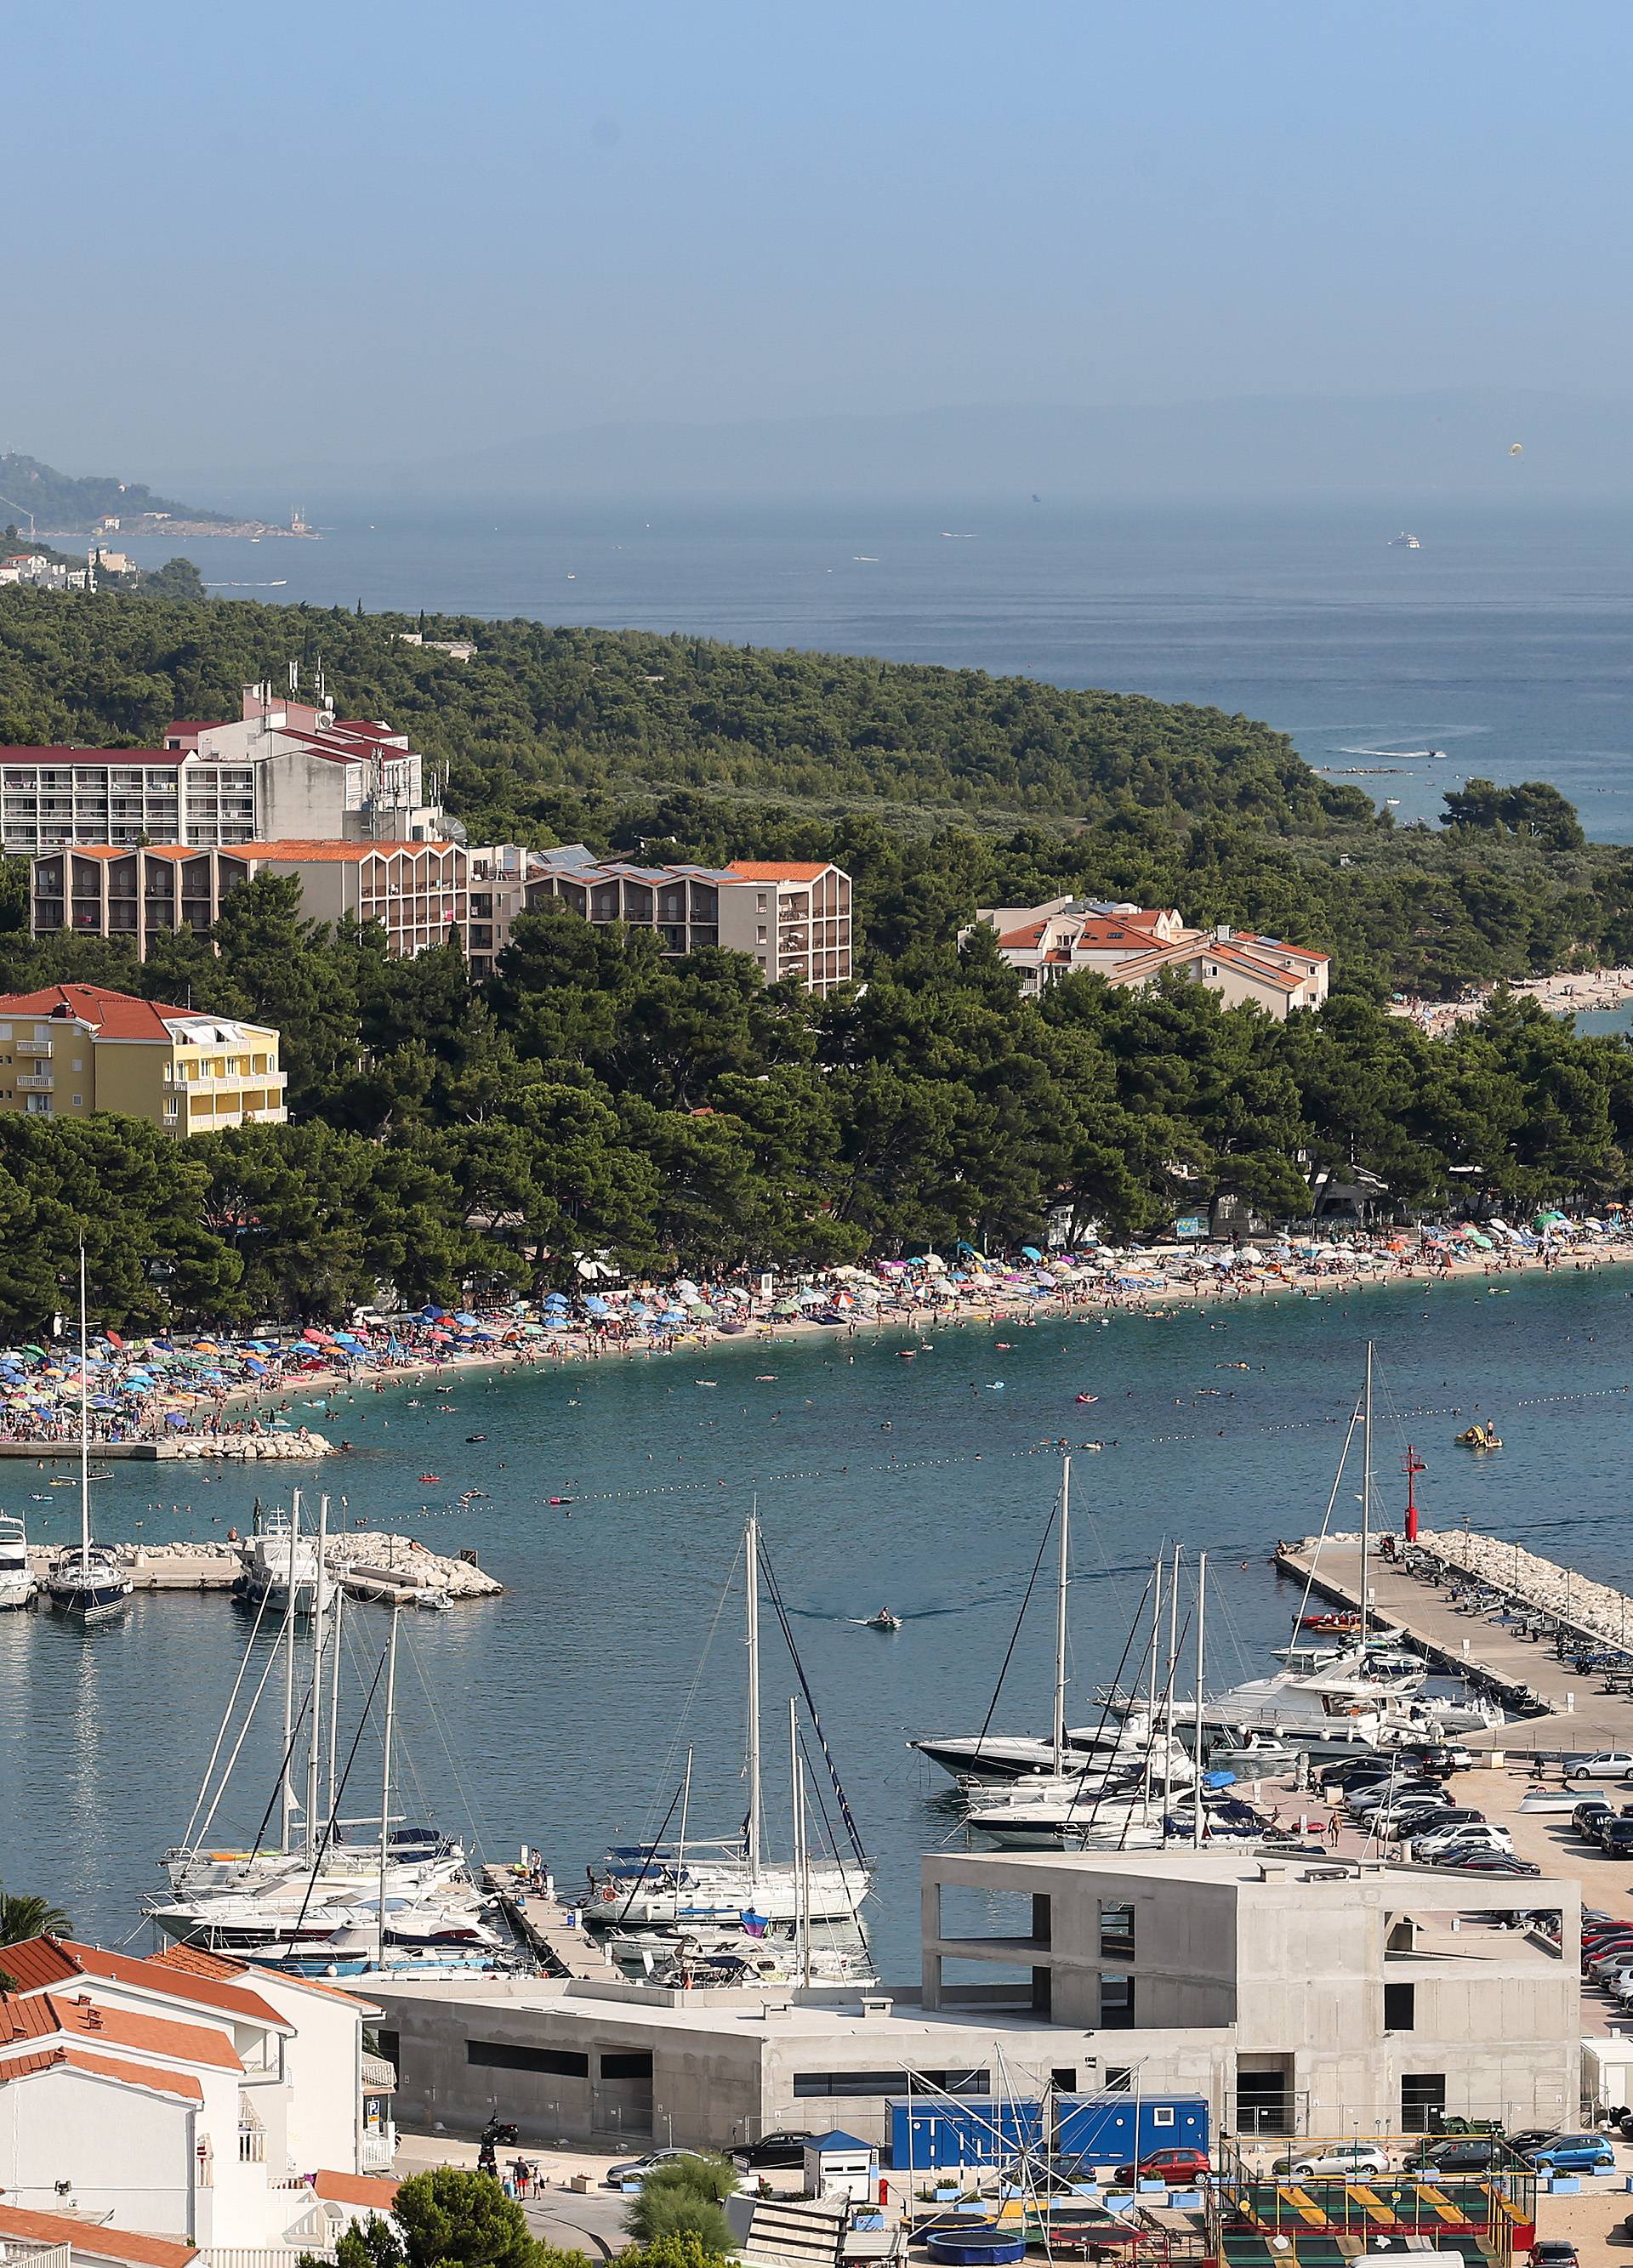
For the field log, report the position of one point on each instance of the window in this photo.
(500, 2055)
(1064, 2076)
(1161, 2114)
(829, 2083)
(1116, 1932)
(1422, 2100)
(633, 2062)
(1117, 2003)
(1118, 2079)
(1399, 2008)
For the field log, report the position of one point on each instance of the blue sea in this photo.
(1506, 641)
(561, 1714)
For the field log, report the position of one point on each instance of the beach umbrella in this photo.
(1031, 1252)
(595, 1305)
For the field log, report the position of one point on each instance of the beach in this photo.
(261, 1398)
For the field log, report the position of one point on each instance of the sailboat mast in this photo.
(1174, 1679)
(333, 1805)
(797, 1822)
(680, 1848)
(1366, 1494)
(385, 1786)
(1202, 1610)
(285, 1792)
(314, 1745)
(84, 1431)
(1150, 1703)
(751, 1579)
(1060, 1614)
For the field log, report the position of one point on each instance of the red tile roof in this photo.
(94, 2240)
(178, 2083)
(114, 1015)
(77, 2016)
(355, 2188)
(193, 1961)
(774, 870)
(73, 1959)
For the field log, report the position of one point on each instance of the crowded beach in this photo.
(260, 1396)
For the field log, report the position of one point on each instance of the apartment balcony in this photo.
(31, 1047)
(35, 1082)
(380, 2149)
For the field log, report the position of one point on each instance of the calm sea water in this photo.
(560, 1713)
(1506, 641)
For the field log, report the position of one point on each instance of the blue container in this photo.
(1118, 2130)
(930, 2134)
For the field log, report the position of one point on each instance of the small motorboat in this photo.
(476, 1437)
(430, 1476)
(1336, 1623)
(1480, 1437)
(885, 1620)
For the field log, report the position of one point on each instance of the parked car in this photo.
(1609, 1764)
(1531, 2138)
(1462, 2153)
(1573, 2153)
(1351, 1771)
(1615, 1837)
(1554, 2252)
(1377, 1795)
(1469, 1834)
(1415, 1816)
(636, 2169)
(1499, 1862)
(1450, 1816)
(785, 2148)
(1585, 1813)
(1175, 2166)
(1336, 2158)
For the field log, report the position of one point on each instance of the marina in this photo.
(552, 1703)
(1514, 1632)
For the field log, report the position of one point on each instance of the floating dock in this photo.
(543, 1926)
(1485, 1647)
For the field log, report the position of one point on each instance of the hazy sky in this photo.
(322, 234)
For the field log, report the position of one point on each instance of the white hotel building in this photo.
(282, 772)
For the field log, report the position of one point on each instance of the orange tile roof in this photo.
(147, 1976)
(1022, 940)
(193, 1961)
(77, 2016)
(179, 2083)
(94, 2240)
(115, 1015)
(774, 870)
(355, 2188)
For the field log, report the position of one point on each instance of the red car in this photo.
(1177, 2168)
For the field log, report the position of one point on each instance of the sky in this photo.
(356, 235)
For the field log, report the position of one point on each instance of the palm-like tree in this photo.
(23, 1916)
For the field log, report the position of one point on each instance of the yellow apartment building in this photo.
(72, 1048)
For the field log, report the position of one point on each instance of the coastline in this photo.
(277, 1417)
(581, 1346)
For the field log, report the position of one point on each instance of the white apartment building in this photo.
(284, 771)
(1131, 946)
(185, 2096)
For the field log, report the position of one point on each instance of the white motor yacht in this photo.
(278, 1560)
(18, 1584)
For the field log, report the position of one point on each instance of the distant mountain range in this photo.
(1405, 446)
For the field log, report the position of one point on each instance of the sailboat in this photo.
(88, 1585)
(713, 1884)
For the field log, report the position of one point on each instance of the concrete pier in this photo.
(1580, 1714)
(542, 1923)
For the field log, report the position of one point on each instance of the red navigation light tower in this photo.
(1412, 1466)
